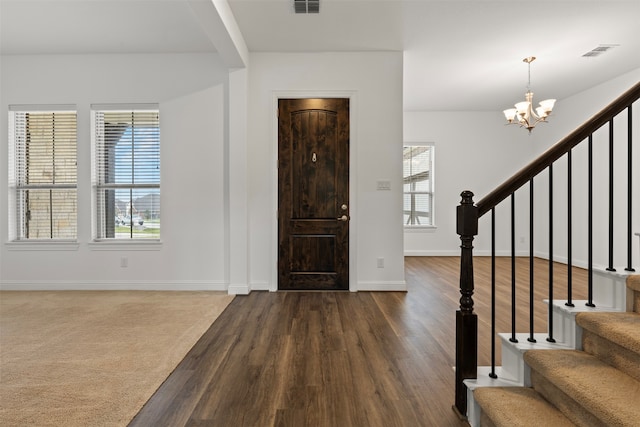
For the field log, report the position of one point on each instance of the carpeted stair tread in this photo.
(607, 393)
(620, 328)
(611, 353)
(518, 407)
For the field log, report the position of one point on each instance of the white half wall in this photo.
(373, 82)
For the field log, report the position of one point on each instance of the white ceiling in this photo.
(458, 55)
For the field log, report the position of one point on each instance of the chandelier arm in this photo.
(533, 114)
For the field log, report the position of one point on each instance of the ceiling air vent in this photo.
(599, 50)
(306, 6)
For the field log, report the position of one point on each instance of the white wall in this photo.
(475, 151)
(571, 113)
(190, 89)
(373, 81)
(200, 220)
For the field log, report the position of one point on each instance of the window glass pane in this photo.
(417, 209)
(424, 185)
(137, 213)
(51, 214)
(418, 185)
(43, 174)
(127, 174)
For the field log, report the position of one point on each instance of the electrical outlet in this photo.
(380, 262)
(124, 262)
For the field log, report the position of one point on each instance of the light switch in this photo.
(384, 185)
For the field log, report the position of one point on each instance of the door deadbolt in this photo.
(343, 207)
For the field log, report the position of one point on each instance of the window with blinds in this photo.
(42, 173)
(418, 185)
(126, 144)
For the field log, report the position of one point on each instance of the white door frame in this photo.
(353, 185)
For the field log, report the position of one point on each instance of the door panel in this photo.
(313, 188)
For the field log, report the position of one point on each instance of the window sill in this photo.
(129, 245)
(27, 245)
(421, 229)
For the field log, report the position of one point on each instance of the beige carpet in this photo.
(93, 358)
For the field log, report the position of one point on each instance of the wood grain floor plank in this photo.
(326, 359)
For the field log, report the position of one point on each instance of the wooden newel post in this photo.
(466, 319)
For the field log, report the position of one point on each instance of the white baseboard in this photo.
(361, 286)
(95, 285)
(581, 263)
(239, 289)
(431, 253)
(260, 286)
(382, 286)
(457, 253)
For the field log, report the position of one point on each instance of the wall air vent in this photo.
(602, 48)
(306, 6)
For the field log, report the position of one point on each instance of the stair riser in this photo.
(633, 301)
(572, 410)
(564, 327)
(609, 289)
(513, 366)
(612, 353)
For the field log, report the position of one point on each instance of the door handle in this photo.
(343, 218)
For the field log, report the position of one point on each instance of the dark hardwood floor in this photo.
(334, 358)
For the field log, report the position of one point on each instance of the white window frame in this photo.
(18, 170)
(430, 191)
(98, 183)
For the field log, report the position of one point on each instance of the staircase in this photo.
(597, 383)
(585, 370)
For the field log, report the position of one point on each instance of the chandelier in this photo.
(523, 114)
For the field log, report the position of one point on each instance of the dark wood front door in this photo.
(313, 194)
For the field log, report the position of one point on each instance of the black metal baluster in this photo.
(590, 226)
(550, 337)
(513, 268)
(629, 186)
(610, 266)
(569, 302)
(531, 266)
(493, 294)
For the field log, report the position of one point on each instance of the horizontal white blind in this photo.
(417, 167)
(44, 174)
(418, 185)
(127, 173)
